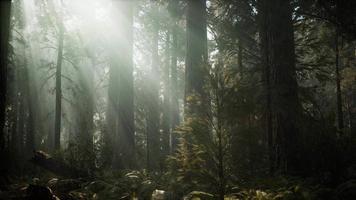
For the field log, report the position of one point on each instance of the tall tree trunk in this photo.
(84, 118)
(174, 78)
(284, 106)
(196, 96)
(5, 10)
(340, 115)
(30, 101)
(153, 102)
(166, 122)
(240, 59)
(58, 109)
(22, 112)
(124, 140)
(220, 138)
(353, 109)
(111, 116)
(263, 20)
(13, 117)
(5, 13)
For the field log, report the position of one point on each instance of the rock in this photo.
(347, 191)
(198, 195)
(36, 192)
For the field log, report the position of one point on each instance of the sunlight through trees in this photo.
(177, 99)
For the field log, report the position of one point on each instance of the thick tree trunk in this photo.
(124, 138)
(196, 96)
(263, 20)
(284, 104)
(58, 109)
(153, 144)
(5, 10)
(84, 111)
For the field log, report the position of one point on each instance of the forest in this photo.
(178, 99)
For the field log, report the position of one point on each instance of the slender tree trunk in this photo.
(340, 115)
(153, 102)
(30, 98)
(196, 96)
(5, 10)
(58, 109)
(15, 133)
(166, 101)
(353, 109)
(174, 82)
(220, 147)
(22, 112)
(240, 59)
(111, 116)
(14, 117)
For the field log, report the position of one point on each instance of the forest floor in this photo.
(49, 188)
(50, 179)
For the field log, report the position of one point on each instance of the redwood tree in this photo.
(5, 10)
(121, 91)
(196, 102)
(278, 50)
(153, 129)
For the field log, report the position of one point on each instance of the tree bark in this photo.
(122, 67)
(279, 53)
(166, 111)
(5, 13)
(196, 96)
(220, 136)
(263, 20)
(58, 109)
(153, 149)
(340, 114)
(353, 109)
(30, 101)
(174, 78)
(240, 59)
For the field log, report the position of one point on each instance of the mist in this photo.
(177, 99)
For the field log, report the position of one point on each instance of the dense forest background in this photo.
(173, 99)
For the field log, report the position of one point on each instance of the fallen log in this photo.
(57, 167)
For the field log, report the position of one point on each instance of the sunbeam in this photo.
(177, 99)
